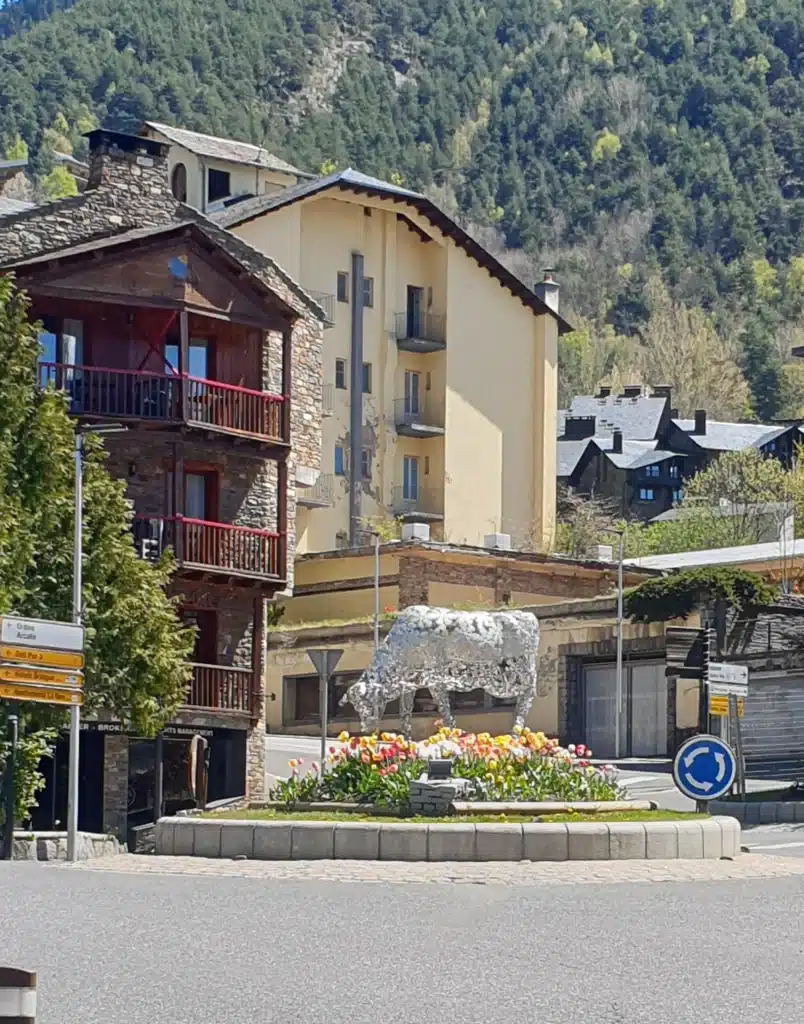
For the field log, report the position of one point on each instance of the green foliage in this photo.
(677, 595)
(59, 183)
(605, 147)
(16, 149)
(137, 650)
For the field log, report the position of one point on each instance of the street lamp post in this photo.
(78, 551)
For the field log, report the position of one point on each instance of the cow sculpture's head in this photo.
(366, 697)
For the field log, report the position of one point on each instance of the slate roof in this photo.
(638, 418)
(635, 454)
(223, 149)
(241, 211)
(569, 454)
(9, 206)
(722, 556)
(731, 437)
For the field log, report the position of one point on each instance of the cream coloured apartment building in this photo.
(440, 390)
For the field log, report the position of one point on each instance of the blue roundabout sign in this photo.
(704, 768)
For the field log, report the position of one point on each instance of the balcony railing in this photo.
(319, 495)
(422, 332)
(418, 418)
(100, 393)
(327, 303)
(217, 547)
(419, 503)
(221, 688)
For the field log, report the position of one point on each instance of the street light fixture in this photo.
(78, 542)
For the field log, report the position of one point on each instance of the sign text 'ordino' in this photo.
(60, 636)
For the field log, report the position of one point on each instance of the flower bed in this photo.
(378, 769)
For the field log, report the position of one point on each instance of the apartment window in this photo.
(427, 465)
(366, 378)
(178, 183)
(678, 495)
(651, 471)
(410, 478)
(646, 494)
(340, 374)
(365, 463)
(368, 292)
(343, 286)
(412, 389)
(218, 186)
(674, 472)
(340, 461)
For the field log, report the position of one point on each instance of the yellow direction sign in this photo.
(46, 676)
(34, 656)
(719, 706)
(41, 694)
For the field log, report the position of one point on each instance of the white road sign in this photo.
(725, 679)
(59, 636)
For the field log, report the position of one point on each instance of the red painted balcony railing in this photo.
(221, 688)
(141, 395)
(238, 550)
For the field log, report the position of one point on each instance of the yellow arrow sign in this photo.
(48, 676)
(40, 694)
(35, 656)
(719, 706)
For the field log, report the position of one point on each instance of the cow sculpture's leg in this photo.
(441, 695)
(406, 698)
(524, 674)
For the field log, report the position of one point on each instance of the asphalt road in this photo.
(125, 949)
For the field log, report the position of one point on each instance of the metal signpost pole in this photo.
(10, 792)
(325, 660)
(75, 710)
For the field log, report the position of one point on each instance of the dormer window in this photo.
(218, 186)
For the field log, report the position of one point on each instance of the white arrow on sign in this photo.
(704, 787)
(721, 765)
(691, 757)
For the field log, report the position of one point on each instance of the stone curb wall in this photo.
(764, 812)
(53, 846)
(710, 839)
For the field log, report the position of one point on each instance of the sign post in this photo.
(10, 796)
(704, 769)
(325, 660)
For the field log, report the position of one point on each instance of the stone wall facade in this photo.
(115, 784)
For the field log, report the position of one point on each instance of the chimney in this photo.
(497, 541)
(415, 531)
(632, 391)
(576, 428)
(604, 392)
(547, 290)
(663, 391)
(674, 413)
(136, 169)
(617, 442)
(700, 422)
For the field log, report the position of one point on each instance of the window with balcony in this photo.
(415, 309)
(340, 374)
(368, 292)
(340, 461)
(366, 378)
(412, 392)
(218, 185)
(410, 478)
(342, 290)
(198, 358)
(646, 494)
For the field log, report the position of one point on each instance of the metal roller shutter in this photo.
(773, 725)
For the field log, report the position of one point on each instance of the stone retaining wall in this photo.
(53, 846)
(712, 838)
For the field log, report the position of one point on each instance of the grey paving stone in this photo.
(272, 840)
(237, 839)
(498, 842)
(399, 841)
(549, 841)
(312, 840)
(359, 840)
(588, 841)
(451, 842)
(627, 840)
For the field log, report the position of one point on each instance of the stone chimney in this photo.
(604, 392)
(663, 391)
(617, 442)
(576, 428)
(700, 422)
(632, 391)
(133, 170)
(548, 290)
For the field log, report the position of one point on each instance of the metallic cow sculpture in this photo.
(447, 650)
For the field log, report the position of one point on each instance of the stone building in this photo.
(209, 355)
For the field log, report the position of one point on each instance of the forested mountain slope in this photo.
(618, 139)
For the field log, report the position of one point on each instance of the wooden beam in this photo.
(287, 380)
(282, 518)
(178, 495)
(256, 657)
(184, 358)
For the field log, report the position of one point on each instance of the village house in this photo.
(440, 365)
(209, 355)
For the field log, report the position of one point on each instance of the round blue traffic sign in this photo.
(704, 768)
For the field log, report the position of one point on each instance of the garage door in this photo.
(773, 725)
(643, 725)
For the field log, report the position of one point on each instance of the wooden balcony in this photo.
(96, 394)
(203, 548)
(221, 688)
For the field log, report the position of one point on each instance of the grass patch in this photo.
(508, 819)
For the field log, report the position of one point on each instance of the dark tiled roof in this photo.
(223, 149)
(354, 181)
(731, 437)
(569, 454)
(638, 418)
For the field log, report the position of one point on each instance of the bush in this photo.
(378, 769)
